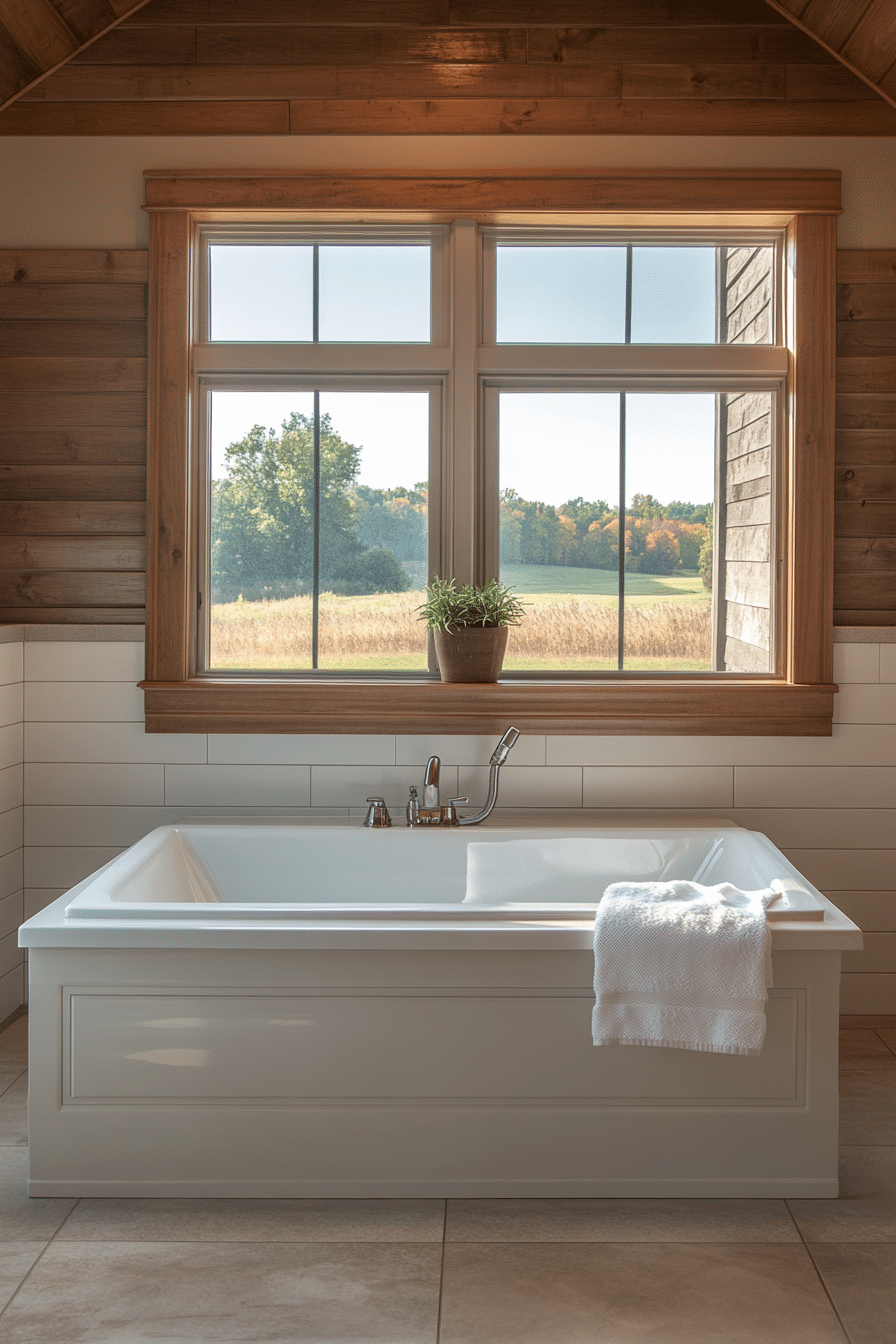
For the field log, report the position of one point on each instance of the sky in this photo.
(553, 446)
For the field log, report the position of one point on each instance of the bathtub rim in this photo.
(479, 928)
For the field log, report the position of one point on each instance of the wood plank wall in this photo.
(865, 489)
(72, 436)
(453, 67)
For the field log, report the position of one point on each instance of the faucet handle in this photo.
(449, 812)
(378, 813)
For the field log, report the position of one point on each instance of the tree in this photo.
(395, 519)
(262, 517)
(705, 561)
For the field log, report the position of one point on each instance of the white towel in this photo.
(681, 965)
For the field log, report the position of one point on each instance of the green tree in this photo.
(262, 516)
(394, 519)
(705, 561)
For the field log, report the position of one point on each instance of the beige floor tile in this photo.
(10, 1070)
(866, 1209)
(862, 1283)
(630, 1220)
(868, 1105)
(14, 1114)
(319, 1220)
(137, 1293)
(15, 1262)
(863, 1050)
(14, 1042)
(630, 1294)
(21, 1218)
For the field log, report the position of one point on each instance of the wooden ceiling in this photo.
(450, 67)
(37, 36)
(860, 33)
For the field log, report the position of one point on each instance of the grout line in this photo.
(3, 1091)
(818, 1273)
(827, 1294)
(40, 1257)
(442, 1273)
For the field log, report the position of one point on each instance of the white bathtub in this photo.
(287, 872)
(277, 1008)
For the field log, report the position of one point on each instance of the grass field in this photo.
(565, 629)
(558, 581)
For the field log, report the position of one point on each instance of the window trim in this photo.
(798, 702)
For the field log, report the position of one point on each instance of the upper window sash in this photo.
(435, 239)
(494, 238)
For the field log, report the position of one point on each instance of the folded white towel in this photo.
(682, 965)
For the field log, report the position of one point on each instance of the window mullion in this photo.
(462, 507)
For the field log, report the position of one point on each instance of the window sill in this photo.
(728, 708)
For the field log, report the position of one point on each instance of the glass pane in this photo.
(373, 529)
(374, 547)
(375, 293)
(260, 524)
(560, 295)
(670, 487)
(674, 295)
(746, 626)
(559, 491)
(746, 317)
(260, 293)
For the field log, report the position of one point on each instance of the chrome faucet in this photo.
(434, 813)
(498, 757)
(431, 782)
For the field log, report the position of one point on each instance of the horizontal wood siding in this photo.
(72, 436)
(865, 470)
(744, 605)
(403, 67)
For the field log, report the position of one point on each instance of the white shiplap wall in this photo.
(94, 782)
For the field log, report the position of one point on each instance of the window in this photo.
(612, 412)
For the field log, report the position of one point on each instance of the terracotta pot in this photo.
(472, 654)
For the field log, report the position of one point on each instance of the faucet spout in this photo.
(431, 782)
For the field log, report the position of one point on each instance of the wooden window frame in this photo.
(798, 701)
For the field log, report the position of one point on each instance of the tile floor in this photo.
(520, 1271)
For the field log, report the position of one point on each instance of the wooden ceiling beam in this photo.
(860, 33)
(38, 36)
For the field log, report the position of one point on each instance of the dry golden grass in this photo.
(250, 634)
(577, 628)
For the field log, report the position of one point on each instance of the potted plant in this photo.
(469, 623)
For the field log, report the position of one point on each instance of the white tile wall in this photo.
(12, 978)
(81, 784)
(310, 749)
(856, 662)
(664, 786)
(94, 783)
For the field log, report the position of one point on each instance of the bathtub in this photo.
(264, 1008)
